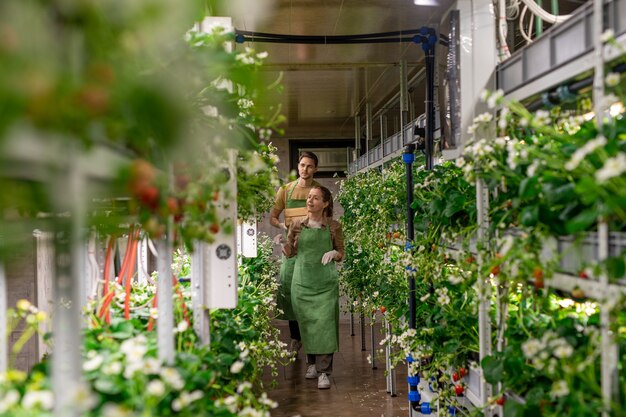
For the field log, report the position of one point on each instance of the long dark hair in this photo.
(327, 197)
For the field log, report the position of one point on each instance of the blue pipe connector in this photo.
(408, 158)
(414, 397)
(452, 410)
(425, 408)
(413, 380)
(409, 359)
(427, 37)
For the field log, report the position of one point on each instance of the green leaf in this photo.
(529, 188)
(529, 216)
(454, 204)
(562, 194)
(122, 330)
(493, 369)
(535, 395)
(586, 188)
(616, 267)
(582, 221)
(436, 207)
(513, 409)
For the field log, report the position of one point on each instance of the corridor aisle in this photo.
(356, 389)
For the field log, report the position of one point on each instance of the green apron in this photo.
(286, 269)
(315, 293)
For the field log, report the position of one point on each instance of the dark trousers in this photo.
(323, 363)
(294, 330)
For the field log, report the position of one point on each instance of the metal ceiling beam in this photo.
(332, 66)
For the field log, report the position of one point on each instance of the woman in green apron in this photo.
(315, 243)
(286, 268)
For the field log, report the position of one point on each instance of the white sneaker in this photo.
(323, 382)
(311, 372)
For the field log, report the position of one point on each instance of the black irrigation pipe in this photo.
(325, 41)
(421, 35)
(337, 37)
(566, 92)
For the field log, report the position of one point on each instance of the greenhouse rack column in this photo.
(69, 276)
(165, 327)
(201, 316)
(609, 345)
(484, 287)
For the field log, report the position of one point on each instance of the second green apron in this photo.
(286, 269)
(315, 293)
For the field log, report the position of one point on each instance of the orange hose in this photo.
(105, 303)
(120, 278)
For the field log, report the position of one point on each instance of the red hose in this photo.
(130, 272)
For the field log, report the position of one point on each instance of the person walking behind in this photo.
(317, 243)
(291, 198)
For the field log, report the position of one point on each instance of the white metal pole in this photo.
(357, 137)
(44, 273)
(92, 271)
(392, 372)
(362, 326)
(368, 128)
(383, 131)
(165, 304)
(387, 356)
(142, 261)
(373, 341)
(201, 316)
(484, 288)
(68, 283)
(404, 102)
(609, 346)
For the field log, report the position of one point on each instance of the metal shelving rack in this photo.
(563, 53)
(562, 56)
(48, 161)
(391, 147)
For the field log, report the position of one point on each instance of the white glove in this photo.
(329, 256)
(279, 239)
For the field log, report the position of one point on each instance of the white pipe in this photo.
(502, 30)
(521, 25)
(550, 18)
